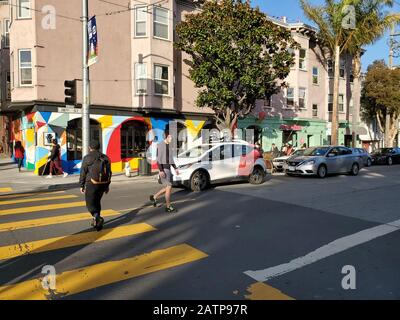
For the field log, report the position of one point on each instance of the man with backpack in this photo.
(95, 180)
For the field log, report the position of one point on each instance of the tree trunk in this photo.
(388, 140)
(335, 114)
(356, 95)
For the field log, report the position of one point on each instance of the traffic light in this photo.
(70, 92)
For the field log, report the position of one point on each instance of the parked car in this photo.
(365, 156)
(280, 162)
(218, 162)
(387, 156)
(325, 160)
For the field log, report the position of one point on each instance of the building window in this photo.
(8, 85)
(341, 103)
(315, 110)
(351, 77)
(292, 52)
(6, 41)
(342, 68)
(330, 68)
(141, 78)
(302, 59)
(140, 21)
(330, 103)
(25, 67)
(315, 75)
(161, 23)
(74, 137)
(290, 97)
(302, 98)
(161, 80)
(24, 9)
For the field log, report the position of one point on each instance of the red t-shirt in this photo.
(19, 153)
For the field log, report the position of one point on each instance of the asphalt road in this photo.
(286, 239)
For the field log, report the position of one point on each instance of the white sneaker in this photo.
(65, 175)
(49, 177)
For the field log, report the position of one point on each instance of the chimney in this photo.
(284, 19)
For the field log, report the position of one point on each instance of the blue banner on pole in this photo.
(93, 45)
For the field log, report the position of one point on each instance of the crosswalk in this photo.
(33, 213)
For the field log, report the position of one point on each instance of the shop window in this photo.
(133, 139)
(74, 137)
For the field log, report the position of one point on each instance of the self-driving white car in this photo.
(213, 163)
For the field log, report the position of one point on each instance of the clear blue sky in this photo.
(292, 10)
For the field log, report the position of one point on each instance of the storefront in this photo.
(123, 137)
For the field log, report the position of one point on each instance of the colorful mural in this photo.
(32, 129)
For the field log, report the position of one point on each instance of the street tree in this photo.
(381, 97)
(238, 56)
(345, 26)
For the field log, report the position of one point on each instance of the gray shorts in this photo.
(167, 181)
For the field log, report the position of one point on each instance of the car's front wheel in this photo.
(199, 181)
(257, 176)
(390, 161)
(322, 171)
(369, 162)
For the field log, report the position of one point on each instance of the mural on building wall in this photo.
(31, 129)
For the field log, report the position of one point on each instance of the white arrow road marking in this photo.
(325, 251)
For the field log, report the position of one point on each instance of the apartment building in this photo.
(139, 83)
(5, 93)
(302, 112)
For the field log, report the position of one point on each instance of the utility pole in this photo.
(85, 81)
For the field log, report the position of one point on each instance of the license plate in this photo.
(291, 168)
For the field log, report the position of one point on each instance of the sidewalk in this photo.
(26, 181)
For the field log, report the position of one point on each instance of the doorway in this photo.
(74, 137)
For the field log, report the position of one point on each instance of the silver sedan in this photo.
(324, 160)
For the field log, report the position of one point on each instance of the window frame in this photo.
(292, 98)
(19, 7)
(137, 8)
(20, 68)
(342, 68)
(341, 109)
(304, 60)
(157, 22)
(163, 80)
(315, 109)
(6, 24)
(315, 76)
(141, 78)
(304, 98)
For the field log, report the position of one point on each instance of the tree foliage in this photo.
(237, 57)
(381, 95)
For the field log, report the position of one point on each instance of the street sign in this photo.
(69, 110)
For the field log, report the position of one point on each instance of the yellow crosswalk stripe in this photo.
(263, 291)
(21, 249)
(86, 278)
(34, 223)
(6, 189)
(42, 208)
(69, 196)
(19, 195)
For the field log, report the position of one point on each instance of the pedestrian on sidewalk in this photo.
(55, 160)
(19, 152)
(95, 180)
(164, 162)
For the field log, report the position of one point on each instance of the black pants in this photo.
(93, 195)
(20, 161)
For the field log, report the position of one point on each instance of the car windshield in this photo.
(384, 150)
(316, 151)
(298, 153)
(195, 152)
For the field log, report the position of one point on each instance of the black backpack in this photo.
(100, 170)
